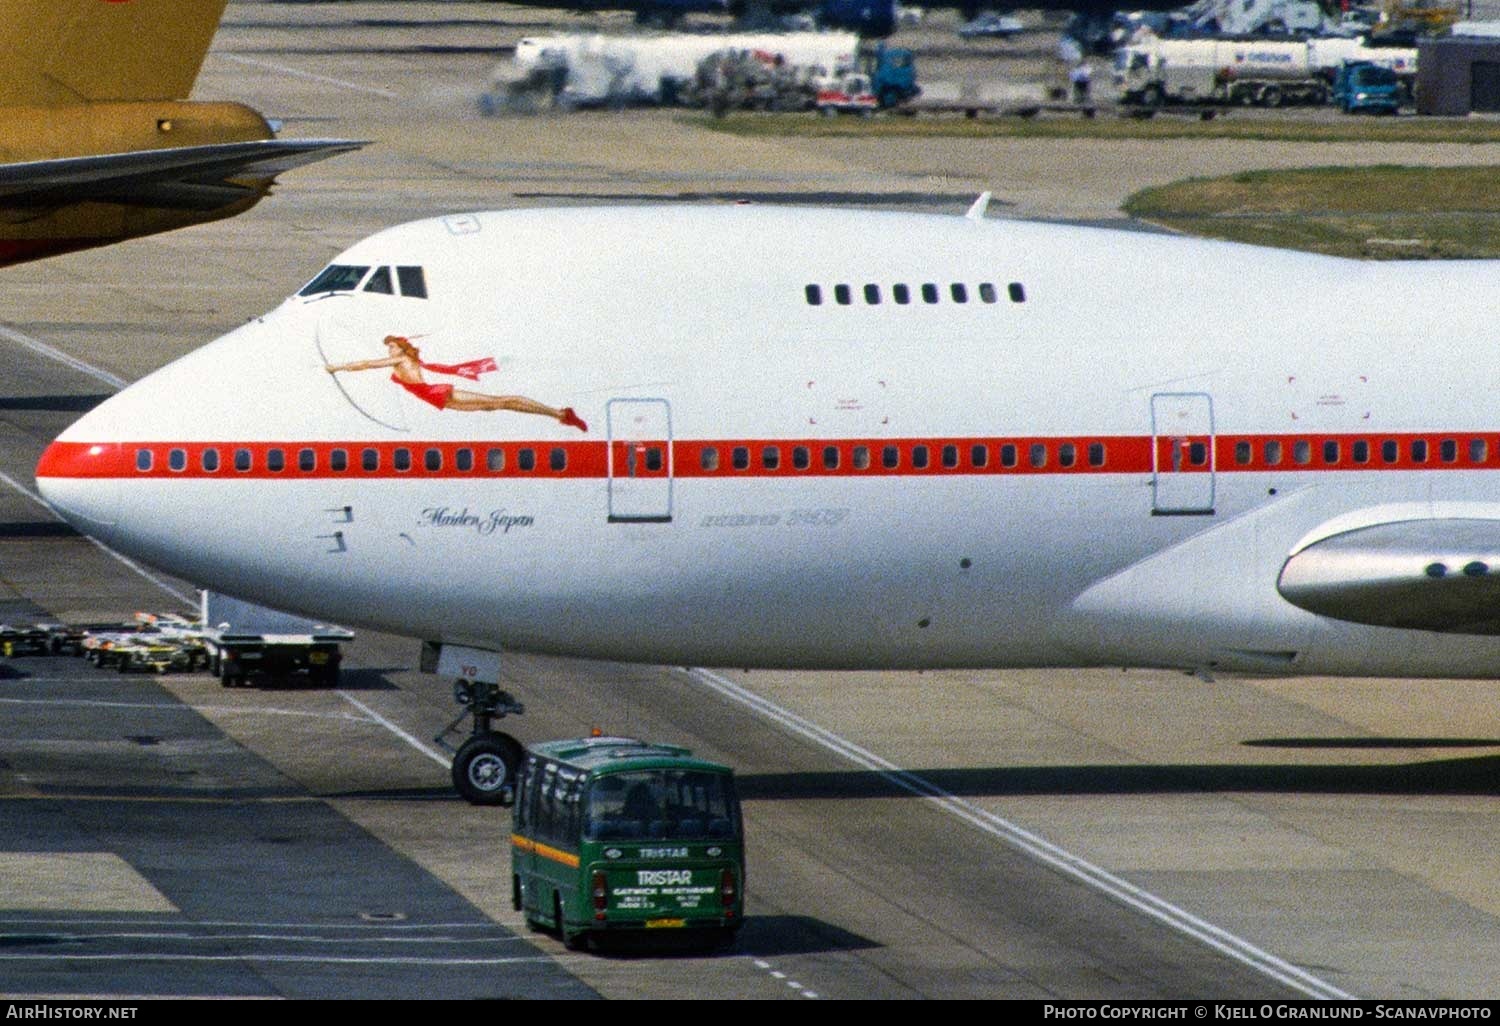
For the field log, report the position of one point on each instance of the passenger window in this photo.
(242, 460)
(770, 457)
(1330, 452)
(929, 293)
(979, 455)
(1096, 454)
(872, 295)
(949, 456)
(177, 460)
(1007, 455)
(464, 460)
(960, 292)
(1243, 453)
(919, 457)
(739, 458)
(380, 282)
(1302, 451)
(1067, 454)
(1448, 450)
(369, 459)
(841, 295)
(526, 460)
(890, 457)
(494, 460)
(1419, 450)
(338, 460)
(653, 459)
(830, 457)
(1272, 453)
(814, 294)
(413, 282)
(1017, 292)
(1479, 450)
(708, 459)
(1038, 455)
(143, 460)
(860, 458)
(275, 460)
(1197, 454)
(1390, 452)
(801, 458)
(1360, 451)
(401, 460)
(987, 293)
(210, 460)
(432, 460)
(901, 294)
(557, 459)
(307, 460)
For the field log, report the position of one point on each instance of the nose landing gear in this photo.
(485, 765)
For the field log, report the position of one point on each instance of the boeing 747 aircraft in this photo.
(664, 435)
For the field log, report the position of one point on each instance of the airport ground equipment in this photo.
(614, 836)
(1363, 87)
(1154, 72)
(599, 70)
(23, 640)
(242, 640)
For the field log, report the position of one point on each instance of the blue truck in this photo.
(1366, 87)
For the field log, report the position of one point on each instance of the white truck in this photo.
(593, 69)
(1152, 72)
(242, 640)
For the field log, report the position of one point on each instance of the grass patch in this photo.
(1235, 125)
(1369, 212)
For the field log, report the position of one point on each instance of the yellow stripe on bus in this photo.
(526, 844)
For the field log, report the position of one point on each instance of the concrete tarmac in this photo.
(1001, 834)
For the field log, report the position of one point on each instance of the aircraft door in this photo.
(640, 461)
(1182, 454)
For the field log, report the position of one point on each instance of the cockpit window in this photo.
(413, 283)
(380, 281)
(335, 278)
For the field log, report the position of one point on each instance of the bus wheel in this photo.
(484, 770)
(573, 940)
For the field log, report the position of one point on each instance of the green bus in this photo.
(613, 834)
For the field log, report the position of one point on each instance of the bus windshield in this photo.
(675, 805)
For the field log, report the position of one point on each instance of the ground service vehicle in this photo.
(614, 835)
(241, 640)
(1363, 87)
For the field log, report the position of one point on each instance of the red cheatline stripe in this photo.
(730, 458)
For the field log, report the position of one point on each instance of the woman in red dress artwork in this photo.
(406, 370)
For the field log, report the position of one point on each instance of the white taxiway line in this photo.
(1037, 847)
(52, 353)
(421, 746)
(310, 76)
(132, 564)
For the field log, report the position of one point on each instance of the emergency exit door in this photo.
(1182, 454)
(640, 461)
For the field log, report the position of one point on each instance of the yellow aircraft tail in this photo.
(56, 52)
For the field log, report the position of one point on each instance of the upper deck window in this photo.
(335, 278)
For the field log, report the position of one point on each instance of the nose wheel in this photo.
(485, 765)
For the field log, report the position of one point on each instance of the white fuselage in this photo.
(1138, 385)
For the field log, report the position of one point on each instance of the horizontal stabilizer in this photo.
(179, 177)
(1434, 574)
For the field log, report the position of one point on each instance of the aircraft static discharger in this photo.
(662, 435)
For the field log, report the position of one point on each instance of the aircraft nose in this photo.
(79, 480)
